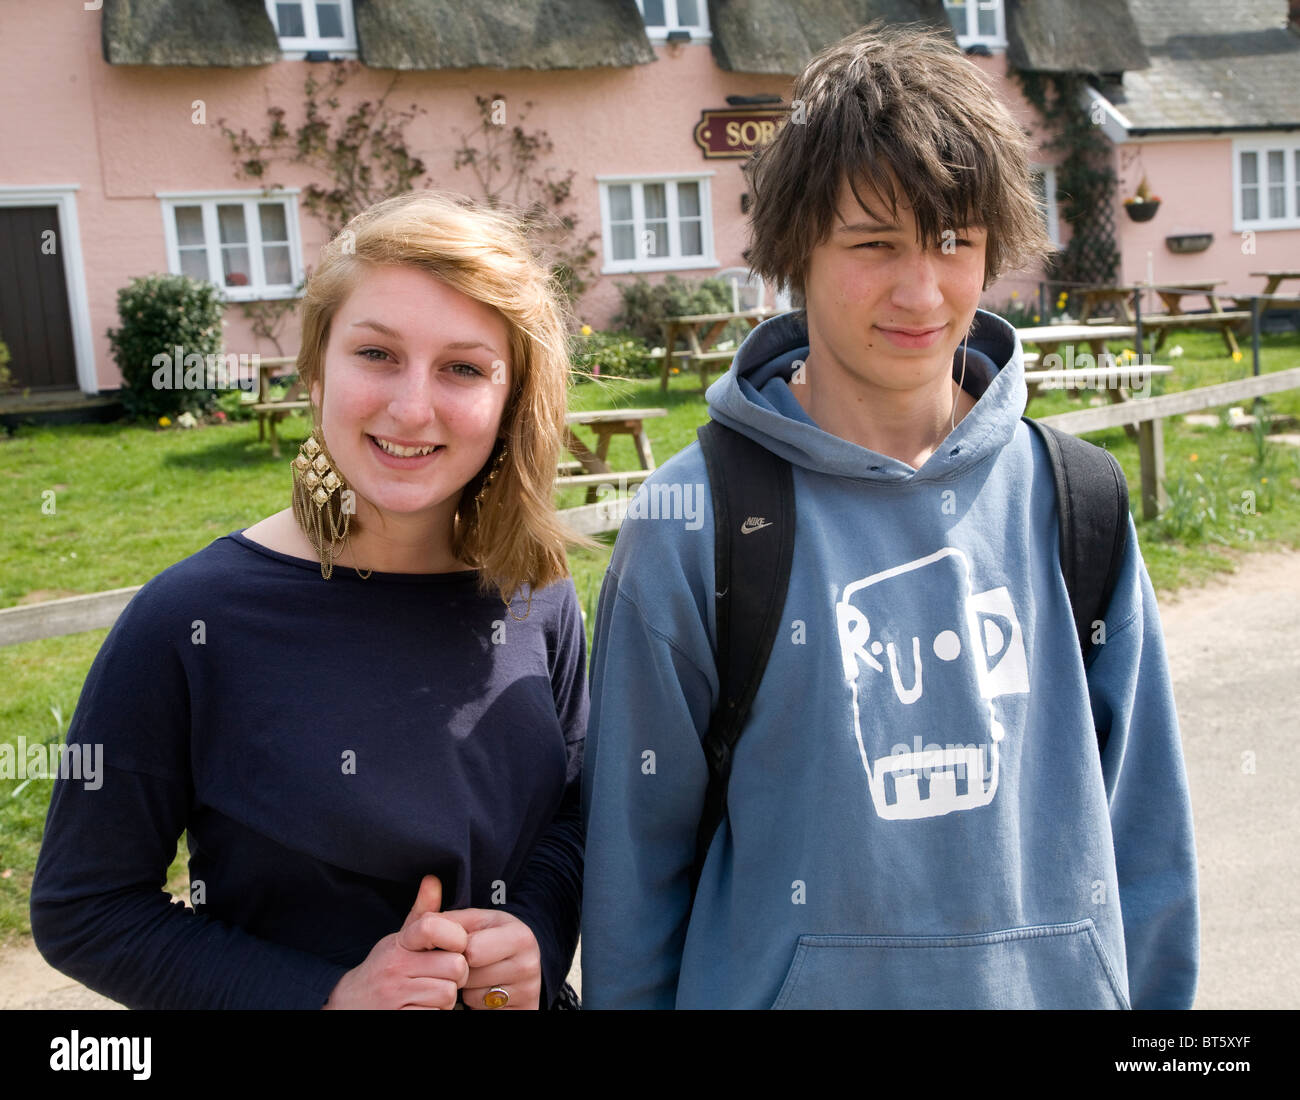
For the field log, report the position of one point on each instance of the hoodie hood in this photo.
(755, 399)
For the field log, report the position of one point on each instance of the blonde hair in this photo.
(514, 536)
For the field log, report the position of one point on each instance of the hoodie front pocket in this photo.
(1045, 966)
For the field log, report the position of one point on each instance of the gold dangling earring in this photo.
(497, 463)
(321, 499)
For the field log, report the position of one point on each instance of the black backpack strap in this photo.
(1092, 506)
(753, 533)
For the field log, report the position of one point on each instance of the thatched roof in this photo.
(1065, 36)
(392, 34)
(222, 33)
(1212, 68)
(778, 36)
(521, 34)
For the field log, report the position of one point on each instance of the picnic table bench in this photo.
(1274, 279)
(1117, 297)
(605, 424)
(701, 331)
(272, 412)
(1049, 338)
(1171, 295)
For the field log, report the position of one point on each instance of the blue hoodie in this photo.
(918, 814)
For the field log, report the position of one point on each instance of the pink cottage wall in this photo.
(123, 134)
(1194, 180)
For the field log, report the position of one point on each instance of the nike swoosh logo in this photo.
(754, 523)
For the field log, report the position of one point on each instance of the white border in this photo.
(995, 41)
(296, 49)
(1288, 145)
(172, 199)
(64, 198)
(1048, 172)
(658, 35)
(669, 263)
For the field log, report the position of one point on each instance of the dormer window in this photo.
(978, 22)
(313, 25)
(675, 20)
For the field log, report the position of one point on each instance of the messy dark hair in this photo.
(894, 110)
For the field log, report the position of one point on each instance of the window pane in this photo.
(1277, 184)
(688, 200)
(194, 263)
(688, 14)
(988, 22)
(623, 242)
(235, 267)
(271, 217)
(230, 223)
(957, 15)
(656, 239)
(1277, 202)
(1249, 203)
(288, 20)
(620, 203)
(189, 225)
(329, 20)
(1249, 169)
(656, 201)
(654, 13)
(692, 239)
(276, 261)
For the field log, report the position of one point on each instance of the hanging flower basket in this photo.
(1142, 207)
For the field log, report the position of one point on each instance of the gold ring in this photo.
(496, 997)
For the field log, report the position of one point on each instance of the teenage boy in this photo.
(920, 812)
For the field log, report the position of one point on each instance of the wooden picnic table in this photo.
(605, 424)
(1049, 338)
(1118, 297)
(272, 412)
(1274, 279)
(701, 331)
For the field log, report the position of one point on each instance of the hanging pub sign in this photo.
(737, 132)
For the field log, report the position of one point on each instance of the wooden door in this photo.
(35, 320)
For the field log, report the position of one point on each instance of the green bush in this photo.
(232, 403)
(160, 313)
(611, 354)
(647, 306)
(6, 379)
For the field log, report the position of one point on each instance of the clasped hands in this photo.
(437, 954)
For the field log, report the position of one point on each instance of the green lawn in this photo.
(129, 501)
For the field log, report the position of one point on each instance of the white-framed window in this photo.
(243, 241)
(663, 17)
(656, 223)
(1044, 177)
(303, 25)
(1266, 183)
(978, 22)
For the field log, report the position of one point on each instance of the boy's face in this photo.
(882, 308)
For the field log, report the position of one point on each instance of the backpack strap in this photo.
(753, 535)
(753, 491)
(1092, 509)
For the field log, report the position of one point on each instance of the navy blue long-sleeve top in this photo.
(325, 744)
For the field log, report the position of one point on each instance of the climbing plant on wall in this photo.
(1085, 178)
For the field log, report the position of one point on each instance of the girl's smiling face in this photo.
(417, 377)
